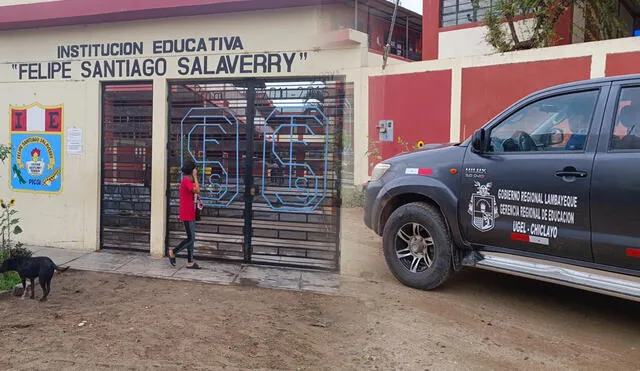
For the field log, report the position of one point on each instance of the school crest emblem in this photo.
(483, 208)
(36, 155)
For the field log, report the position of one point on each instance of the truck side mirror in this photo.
(478, 141)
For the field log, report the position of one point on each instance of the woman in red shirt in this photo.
(189, 188)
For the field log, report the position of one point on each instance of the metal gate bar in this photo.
(213, 118)
(281, 161)
(126, 166)
(296, 215)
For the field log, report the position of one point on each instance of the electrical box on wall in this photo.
(385, 130)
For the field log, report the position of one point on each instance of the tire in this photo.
(432, 237)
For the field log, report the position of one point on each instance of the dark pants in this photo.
(190, 228)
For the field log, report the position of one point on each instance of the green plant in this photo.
(5, 151)
(10, 226)
(404, 145)
(9, 221)
(601, 15)
(604, 18)
(352, 196)
(19, 251)
(373, 153)
(8, 280)
(546, 14)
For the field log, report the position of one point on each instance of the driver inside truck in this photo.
(629, 118)
(577, 117)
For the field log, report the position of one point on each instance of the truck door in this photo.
(615, 193)
(529, 190)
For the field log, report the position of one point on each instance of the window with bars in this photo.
(457, 12)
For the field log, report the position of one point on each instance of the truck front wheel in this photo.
(417, 246)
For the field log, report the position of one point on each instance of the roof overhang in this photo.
(384, 9)
(79, 12)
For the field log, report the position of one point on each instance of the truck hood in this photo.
(436, 153)
(431, 146)
(426, 148)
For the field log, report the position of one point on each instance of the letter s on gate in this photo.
(305, 186)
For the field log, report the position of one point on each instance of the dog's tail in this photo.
(61, 269)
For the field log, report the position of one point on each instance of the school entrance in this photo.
(125, 205)
(268, 155)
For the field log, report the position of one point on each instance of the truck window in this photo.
(557, 123)
(626, 128)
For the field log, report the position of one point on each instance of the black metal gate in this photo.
(126, 166)
(268, 156)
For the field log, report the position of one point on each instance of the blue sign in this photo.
(36, 163)
(36, 148)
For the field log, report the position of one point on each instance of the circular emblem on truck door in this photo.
(483, 208)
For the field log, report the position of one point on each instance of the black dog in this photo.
(40, 266)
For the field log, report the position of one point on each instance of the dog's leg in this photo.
(33, 289)
(45, 292)
(24, 287)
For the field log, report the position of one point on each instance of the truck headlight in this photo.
(379, 170)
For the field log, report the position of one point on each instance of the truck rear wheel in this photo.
(417, 246)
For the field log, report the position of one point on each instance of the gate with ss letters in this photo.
(268, 155)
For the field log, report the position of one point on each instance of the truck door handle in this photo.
(571, 171)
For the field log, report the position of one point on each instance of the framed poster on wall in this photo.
(36, 148)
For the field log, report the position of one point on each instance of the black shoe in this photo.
(194, 266)
(172, 261)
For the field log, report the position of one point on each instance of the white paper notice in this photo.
(74, 141)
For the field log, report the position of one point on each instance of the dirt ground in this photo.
(478, 320)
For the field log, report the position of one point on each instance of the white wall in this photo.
(471, 41)
(71, 218)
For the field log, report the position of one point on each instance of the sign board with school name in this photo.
(208, 56)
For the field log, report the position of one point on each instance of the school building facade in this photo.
(277, 101)
(103, 106)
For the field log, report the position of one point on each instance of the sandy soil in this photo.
(479, 320)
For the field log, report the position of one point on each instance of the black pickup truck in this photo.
(548, 189)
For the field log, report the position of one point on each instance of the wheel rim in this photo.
(414, 247)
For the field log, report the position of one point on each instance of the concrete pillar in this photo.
(456, 102)
(360, 128)
(598, 64)
(360, 78)
(159, 167)
(92, 150)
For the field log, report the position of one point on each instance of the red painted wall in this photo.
(486, 91)
(430, 29)
(622, 64)
(419, 104)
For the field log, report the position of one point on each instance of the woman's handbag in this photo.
(199, 207)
